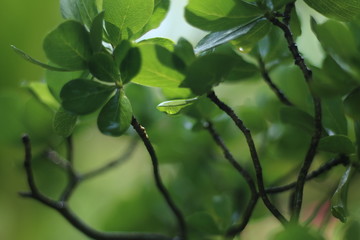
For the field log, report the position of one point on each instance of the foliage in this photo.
(97, 62)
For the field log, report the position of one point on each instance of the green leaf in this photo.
(243, 36)
(158, 67)
(96, 32)
(103, 67)
(336, 144)
(203, 222)
(297, 232)
(83, 11)
(185, 51)
(37, 62)
(160, 10)
(334, 116)
(42, 93)
(83, 96)
(68, 46)
(335, 38)
(280, 3)
(131, 65)
(128, 15)
(253, 118)
(56, 80)
(339, 199)
(200, 80)
(297, 118)
(64, 122)
(351, 104)
(121, 51)
(357, 137)
(175, 106)
(176, 93)
(344, 10)
(214, 15)
(115, 117)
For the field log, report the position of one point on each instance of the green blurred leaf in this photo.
(131, 65)
(173, 93)
(160, 10)
(297, 232)
(83, 11)
(352, 230)
(336, 144)
(115, 117)
(68, 46)
(184, 50)
(334, 115)
(214, 15)
(83, 96)
(200, 80)
(344, 10)
(103, 67)
(42, 93)
(297, 118)
(357, 137)
(129, 16)
(351, 103)
(64, 122)
(253, 118)
(36, 62)
(244, 36)
(175, 106)
(96, 32)
(158, 68)
(203, 222)
(339, 199)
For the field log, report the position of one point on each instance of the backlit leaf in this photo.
(83, 11)
(175, 106)
(42, 93)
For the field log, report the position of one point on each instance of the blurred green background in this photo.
(125, 198)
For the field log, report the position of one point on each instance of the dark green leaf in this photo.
(351, 103)
(175, 106)
(344, 10)
(96, 32)
(128, 15)
(158, 68)
(334, 116)
(131, 64)
(339, 199)
(200, 80)
(204, 223)
(64, 122)
(115, 117)
(243, 36)
(83, 11)
(336, 144)
(82, 96)
(280, 3)
(214, 15)
(68, 46)
(103, 67)
(357, 137)
(184, 50)
(121, 51)
(297, 118)
(36, 62)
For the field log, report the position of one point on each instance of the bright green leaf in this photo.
(344, 10)
(64, 122)
(115, 117)
(336, 144)
(129, 16)
(297, 232)
(339, 199)
(96, 32)
(200, 80)
(131, 64)
(103, 67)
(243, 36)
(68, 46)
(42, 93)
(83, 11)
(351, 103)
(175, 106)
(158, 67)
(215, 15)
(176, 93)
(83, 96)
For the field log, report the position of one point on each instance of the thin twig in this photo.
(65, 211)
(321, 170)
(250, 142)
(271, 84)
(159, 184)
(299, 61)
(244, 173)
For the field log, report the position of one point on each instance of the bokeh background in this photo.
(125, 198)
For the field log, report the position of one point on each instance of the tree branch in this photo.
(62, 208)
(258, 169)
(159, 184)
(299, 61)
(271, 84)
(244, 173)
